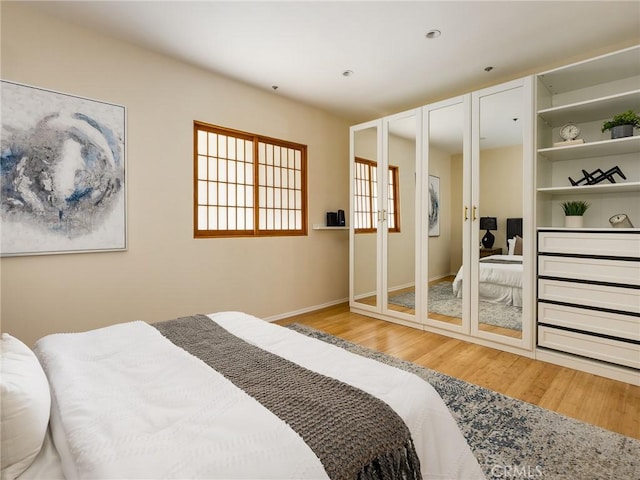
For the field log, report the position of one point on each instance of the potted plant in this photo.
(622, 125)
(573, 211)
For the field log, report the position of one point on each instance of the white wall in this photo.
(166, 272)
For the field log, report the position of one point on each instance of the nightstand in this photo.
(485, 252)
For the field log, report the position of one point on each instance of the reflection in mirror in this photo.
(500, 271)
(400, 215)
(365, 217)
(445, 140)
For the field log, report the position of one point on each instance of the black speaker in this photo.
(332, 219)
(341, 222)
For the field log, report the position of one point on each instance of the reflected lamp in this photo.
(488, 224)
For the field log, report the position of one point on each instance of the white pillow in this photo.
(512, 245)
(26, 403)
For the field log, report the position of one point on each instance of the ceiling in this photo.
(303, 47)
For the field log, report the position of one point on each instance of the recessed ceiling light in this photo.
(347, 73)
(488, 69)
(275, 87)
(433, 33)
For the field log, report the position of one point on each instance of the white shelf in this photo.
(618, 146)
(598, 188)
(319, 226)
(595, 109)
(594, 71)
(542, 228)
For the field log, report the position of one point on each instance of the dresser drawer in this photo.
(614, 351)
(594, 321)
(599, 296)
(590, 243)
(613, 271)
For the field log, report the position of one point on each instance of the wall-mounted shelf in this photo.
(319, 226)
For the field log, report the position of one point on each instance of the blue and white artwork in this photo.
(434, 206)
(62, 173)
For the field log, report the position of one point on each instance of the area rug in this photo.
(515, 439)
(441, 300)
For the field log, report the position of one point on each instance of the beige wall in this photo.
(440, 251)
(165, 272)
(401, 248)
(501, 188)
(500, 195)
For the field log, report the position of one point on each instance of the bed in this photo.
(192, 398)
(500, 276)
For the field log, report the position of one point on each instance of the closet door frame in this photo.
(465, 101)
(382, 234)
(377, 124)
(526, 341)
(383, 225)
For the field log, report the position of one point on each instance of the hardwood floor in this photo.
(607, 403)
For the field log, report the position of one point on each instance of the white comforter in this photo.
(188, 421)
(499, 282)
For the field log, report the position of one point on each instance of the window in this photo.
(248, 185)
(366, 197)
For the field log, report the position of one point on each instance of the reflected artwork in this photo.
(434, 206)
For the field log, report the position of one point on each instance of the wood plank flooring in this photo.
(607, 403)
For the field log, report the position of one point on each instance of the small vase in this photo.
(573, 221)
(622, 131)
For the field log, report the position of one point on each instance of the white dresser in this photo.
(589, 294)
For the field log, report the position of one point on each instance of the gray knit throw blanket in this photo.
(355, 435)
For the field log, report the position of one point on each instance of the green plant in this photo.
(624, 118)
(575, 207)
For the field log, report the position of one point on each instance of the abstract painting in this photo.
(434, 206)
(62, 173)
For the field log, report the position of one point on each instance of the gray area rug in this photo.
(515, 439)
(441, 300)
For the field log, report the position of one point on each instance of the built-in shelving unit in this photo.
(588, 279)
(587, 94)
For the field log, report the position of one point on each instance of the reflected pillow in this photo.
(518, 246)
(26, 401)
(512, 246)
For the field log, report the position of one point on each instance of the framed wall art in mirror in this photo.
(434, 206)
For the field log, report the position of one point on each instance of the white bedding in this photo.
(498, 282)
(190, 422)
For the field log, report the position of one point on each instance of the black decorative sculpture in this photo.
(598, 176)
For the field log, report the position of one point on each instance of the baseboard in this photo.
(622, 374)
(282, 316)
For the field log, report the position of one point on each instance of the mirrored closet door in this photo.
(364, 268)
(500, 187)
(447, 133)
(400, 214)
(385, 223)
(442, 209)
